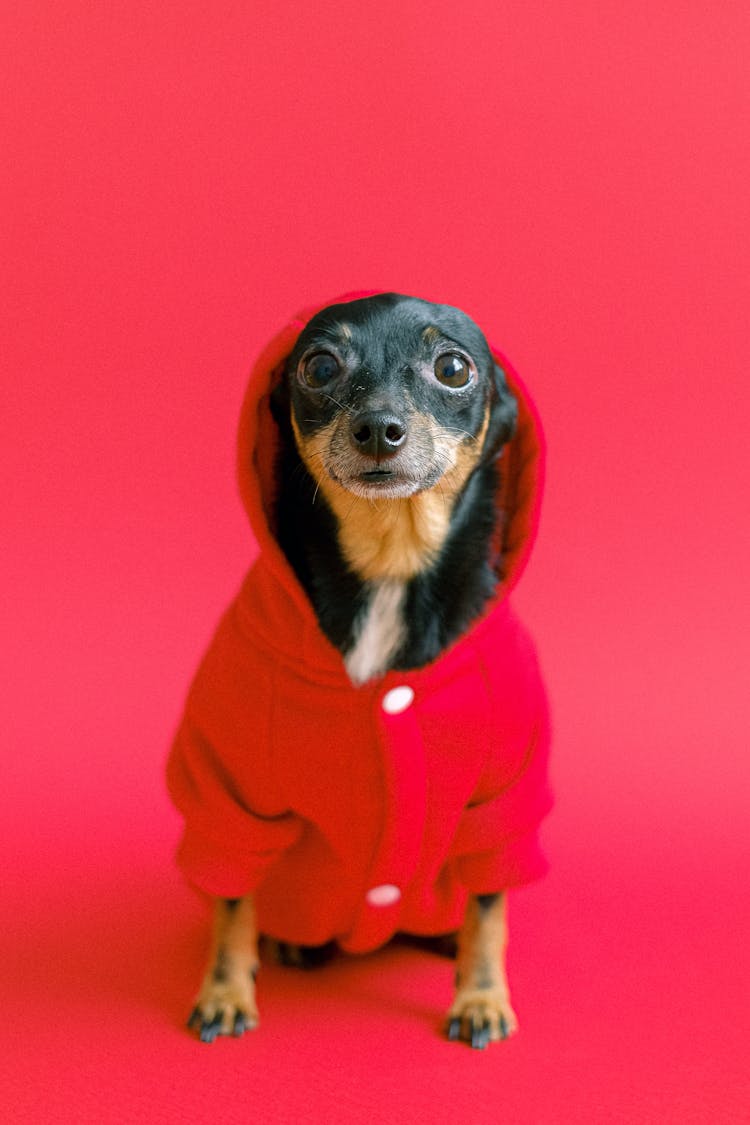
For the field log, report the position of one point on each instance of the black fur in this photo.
(384, 360)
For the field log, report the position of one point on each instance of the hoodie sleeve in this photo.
(496, 845)
(220, 771)
(226, 848)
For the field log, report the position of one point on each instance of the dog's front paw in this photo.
(481, 1016)
(224, 1007)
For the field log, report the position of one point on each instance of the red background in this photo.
(181, 178)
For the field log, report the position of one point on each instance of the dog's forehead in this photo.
(389, 325)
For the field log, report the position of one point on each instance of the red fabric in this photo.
(303, 788)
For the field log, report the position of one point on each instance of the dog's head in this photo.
(390, 396)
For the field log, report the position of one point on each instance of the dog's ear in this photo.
(503, 414)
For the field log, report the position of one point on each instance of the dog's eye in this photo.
(319, 369)
(452, 370)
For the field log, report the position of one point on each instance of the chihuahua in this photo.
(392, 417)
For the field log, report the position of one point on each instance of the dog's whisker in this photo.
(351, 507)
(335, 400)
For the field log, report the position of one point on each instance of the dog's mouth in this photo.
(385, 482)
(382, 483)
(374, 476)
(372, 483)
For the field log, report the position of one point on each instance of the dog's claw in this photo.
(454, 1030)
(210, 1029)
(480, 1037)
(220, 1023)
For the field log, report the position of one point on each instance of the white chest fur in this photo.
(379, 631)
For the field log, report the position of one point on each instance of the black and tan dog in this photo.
(392, 413)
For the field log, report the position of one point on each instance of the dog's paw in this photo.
(224, 1008)
(481, 1016)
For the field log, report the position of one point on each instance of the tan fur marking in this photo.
(229, 987)
(312, 450)
(431, 334)
(482, 994)
(467, 457)
(390, 538)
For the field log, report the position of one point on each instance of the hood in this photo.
(521, 464)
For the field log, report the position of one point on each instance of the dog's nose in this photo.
(378, 433)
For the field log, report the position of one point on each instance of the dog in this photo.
(392, 418)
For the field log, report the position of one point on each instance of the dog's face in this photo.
(390, 396)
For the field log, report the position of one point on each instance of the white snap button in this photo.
(398, 699)
(384, 895)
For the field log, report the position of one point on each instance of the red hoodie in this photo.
(353, 812)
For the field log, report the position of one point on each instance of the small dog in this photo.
(392, 416)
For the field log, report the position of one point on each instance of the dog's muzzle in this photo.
(383, 452)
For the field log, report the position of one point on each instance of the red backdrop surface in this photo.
(178, 179)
